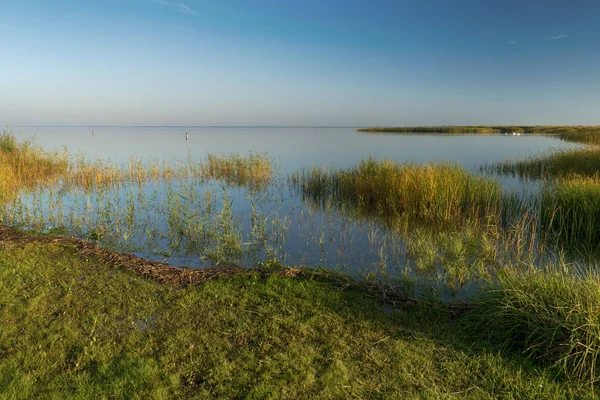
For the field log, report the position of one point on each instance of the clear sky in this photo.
(287, 62)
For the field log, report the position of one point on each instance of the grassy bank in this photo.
(74, 327)
(581, 134)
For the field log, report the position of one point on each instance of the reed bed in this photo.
(570, 213)
(584, 162)
(254, 170)
(552, 314)
(437, 195)
(24, 165)
(580, 134)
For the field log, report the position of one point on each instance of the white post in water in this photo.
(92, 133)
(187, 136)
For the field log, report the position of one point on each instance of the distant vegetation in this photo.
(581, 134)
(584, 162)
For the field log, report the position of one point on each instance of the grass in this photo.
(570, 213)
(551, 314)
(437, 195)
(583, 162)
(24, 165)
(254, 170)
(76, 328)
(581, 134)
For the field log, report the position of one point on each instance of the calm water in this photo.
(296, 148)
(294, 232)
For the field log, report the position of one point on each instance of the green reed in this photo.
(570, 213)
(434, 194)
(585, 162)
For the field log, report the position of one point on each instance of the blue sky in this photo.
(229, 62)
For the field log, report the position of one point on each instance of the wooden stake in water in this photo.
(187, 136)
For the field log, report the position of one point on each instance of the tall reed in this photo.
(434, 194)
(570, 213)
(585, 162)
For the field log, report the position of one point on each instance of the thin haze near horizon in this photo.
(236, 62)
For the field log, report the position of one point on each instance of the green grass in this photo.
(437, 195)
(584, 162)
(581, 134)
(570, 213)
(550, 314)
(75, 328)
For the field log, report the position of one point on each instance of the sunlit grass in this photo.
(584, 162)
(570, 213)
(551, 314)
(24, 165)
(73, 327)
(436, 195)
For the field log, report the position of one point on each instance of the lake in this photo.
(190, 223)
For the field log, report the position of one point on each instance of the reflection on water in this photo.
(296, 147)
(196, 223)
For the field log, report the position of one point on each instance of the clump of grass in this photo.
(23, 165)
(585, 162)
(253, 170)
(552, 314)
(570, 212)
(433, 194)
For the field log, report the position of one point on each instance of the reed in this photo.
(570, 213)
(254, 170)
(584, 162)
(438, 195)
(24, 165)
(551, 314)
(580, 134)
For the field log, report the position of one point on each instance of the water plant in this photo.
(570, 213)
(438, 195)
(584, 162)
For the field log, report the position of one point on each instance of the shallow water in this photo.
(171, 221)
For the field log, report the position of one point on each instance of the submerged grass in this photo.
(438, 195)
(253, 170)
(581, 134)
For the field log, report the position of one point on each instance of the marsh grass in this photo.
(570, 213)
(551, 314)
(583, 162)
(437, 195)
(581, 134)
(254, 170)
(24, 165)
